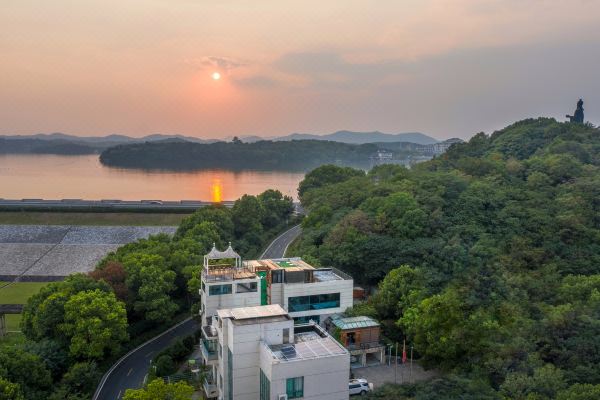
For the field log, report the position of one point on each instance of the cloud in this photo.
(257, 81)
(332, 69)
(211, 62)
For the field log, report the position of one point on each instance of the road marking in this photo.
(120, 360)
(275, 240)
(148, 355)
(119, 395)
(130, 371)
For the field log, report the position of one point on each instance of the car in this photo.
(359, 386)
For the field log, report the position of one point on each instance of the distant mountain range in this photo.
(363, 137)
(340, 136)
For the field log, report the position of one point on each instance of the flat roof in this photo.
(354, 322)
(308, 344)
(241, 313)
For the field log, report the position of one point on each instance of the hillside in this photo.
(363, 137)
(487, 258)
(264, 155)
(38, 146)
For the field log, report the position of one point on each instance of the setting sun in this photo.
(216, 76)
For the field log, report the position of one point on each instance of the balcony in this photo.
(224, 274)
(210, 387)
(209, 343)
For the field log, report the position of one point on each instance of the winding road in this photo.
(130, 370)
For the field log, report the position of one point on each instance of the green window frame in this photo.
(265, 387)
(217, 290)
(294, 387)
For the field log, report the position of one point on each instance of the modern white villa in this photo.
(261, 333)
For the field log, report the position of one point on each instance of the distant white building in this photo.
(441, 147)
(263, 304)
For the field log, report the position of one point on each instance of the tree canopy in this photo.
(487, 257)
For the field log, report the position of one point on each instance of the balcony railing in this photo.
(227, 274)
(209, 349)
(210, 387)
(364, 346)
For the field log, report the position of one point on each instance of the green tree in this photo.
(96, 324)
(25, 369)
(247, 214)
(159, 390)
(10, 391)
(580, 392)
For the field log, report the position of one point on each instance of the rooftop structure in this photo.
(310, 342)
(353, 322)
(301, 289)
(360, 335)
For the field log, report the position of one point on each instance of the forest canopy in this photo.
(487, 257)
(296, 155)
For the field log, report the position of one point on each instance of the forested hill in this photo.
(489, 255)
(264, 155)
(38, 146)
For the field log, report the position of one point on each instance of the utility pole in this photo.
(410, 373)
(396, 367)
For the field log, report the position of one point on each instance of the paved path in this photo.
(130, 370)
(278, 246)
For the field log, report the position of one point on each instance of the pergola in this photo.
(8, 309)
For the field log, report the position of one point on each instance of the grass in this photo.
(17, 293)
(90, 218)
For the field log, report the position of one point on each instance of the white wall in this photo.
(244, 341)
(324, 378)
(211, 304)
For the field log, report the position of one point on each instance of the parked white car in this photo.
(359, 386)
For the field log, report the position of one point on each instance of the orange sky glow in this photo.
(445, 68)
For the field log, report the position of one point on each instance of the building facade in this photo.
(268, 311)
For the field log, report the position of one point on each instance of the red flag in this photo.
(404, 352)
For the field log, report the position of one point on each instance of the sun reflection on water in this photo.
(216, 190)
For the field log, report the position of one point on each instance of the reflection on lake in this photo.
(83, 177)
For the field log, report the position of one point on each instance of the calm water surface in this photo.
(83, 177)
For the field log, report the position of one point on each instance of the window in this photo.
(315, 302)
(246, 287)
(307, 319)
(215, 290)
(265, 387)
(286, 335)
(294, 387)
(229, 374)
(277, 276)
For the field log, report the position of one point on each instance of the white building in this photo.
(307, 293)
(262, 355)
(249, 308)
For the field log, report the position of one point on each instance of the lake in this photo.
(83, 177)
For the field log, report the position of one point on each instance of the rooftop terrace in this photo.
(213, 272)
(310, 342)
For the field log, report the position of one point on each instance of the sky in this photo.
(445, 68)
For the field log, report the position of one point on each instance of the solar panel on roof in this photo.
(288, 351)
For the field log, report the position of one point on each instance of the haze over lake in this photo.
(83, 177)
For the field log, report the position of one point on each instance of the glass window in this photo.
(265, 387)
(229, 374)
(246, 287)
(307, 319)
(314, 302)
(215, 290)
(277, 276)
(294, 387)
